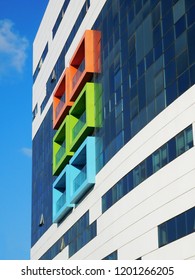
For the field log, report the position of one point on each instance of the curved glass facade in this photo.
(147, 62)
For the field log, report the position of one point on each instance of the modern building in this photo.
(113, 130)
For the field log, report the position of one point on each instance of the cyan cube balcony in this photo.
(61, 194)
(75, 180)
(83, 162)
(86, 111)
(85, 62)
(61, 145)
(61, 99)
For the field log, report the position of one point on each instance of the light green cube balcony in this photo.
(87, 112)
(61, 144)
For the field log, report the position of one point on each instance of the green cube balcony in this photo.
(61, 145)
(87, 113)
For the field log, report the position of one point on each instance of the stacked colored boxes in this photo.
(76, 112)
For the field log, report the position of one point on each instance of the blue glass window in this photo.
(191, 16)
(167, 21)
(112, 256)
(149, 59)
(177, 227)
(170, 73)
(157, 34)
(180, 44)
(168, 38)
(169, 54)
(192, 75)
(160, 158)
(182, 62)
(178, 10)
(180, 26)
(191, 44)
(156, 15)
(183, 82)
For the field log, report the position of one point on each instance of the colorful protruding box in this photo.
(61, 145)
(61, 99)
(84, 161)
(75, 180)
(85, 62)
(61, 194)
(86, 113)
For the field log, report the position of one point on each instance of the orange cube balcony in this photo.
(85, 62)
(61, 100)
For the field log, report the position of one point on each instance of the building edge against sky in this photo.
(113, 130)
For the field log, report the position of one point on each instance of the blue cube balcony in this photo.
(75, 180)
(83, 162)
(61, 194)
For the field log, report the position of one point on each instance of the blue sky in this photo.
(19, 21)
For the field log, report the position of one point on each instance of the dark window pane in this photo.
(141, 68)
(167, 21)
(169, 54)
(141, 93)
(157, 34)
(171, 229)
(160, 102)
(172, 149)
(162, 235)
(183, 82)
(181, 225)
(178, 10)
(191, 44)
(180, 43)
(168, 38)
(170, 72)
(131, 45)
(156, 161)
(129, 181)
(190, 215)
(182, 63)
(149, 166)
(149, 59)
(191, 16)
(112, 256)
(180, 143)
(158, 50)
(159, 82)
(188, 3)
(192, 75)
(180, 26)
(188, 138)
(156, 15)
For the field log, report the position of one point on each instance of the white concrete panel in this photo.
(140, 246)
(138, 221)
(178, 250)
(157, 188)
(95, 211)
(62, 255)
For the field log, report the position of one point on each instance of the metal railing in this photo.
(78, 73)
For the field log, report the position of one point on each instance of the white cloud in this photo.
(27, 152)
(13, 48)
